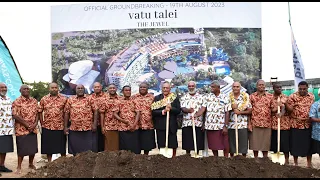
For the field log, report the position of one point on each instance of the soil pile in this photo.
(123, 164)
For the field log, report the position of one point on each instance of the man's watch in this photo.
(225, 126)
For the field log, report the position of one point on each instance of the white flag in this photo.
(297, 63)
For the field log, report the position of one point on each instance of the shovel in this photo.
(195, 155)
(237, 136)
(167, 152)
(205, 152)
(278, 157)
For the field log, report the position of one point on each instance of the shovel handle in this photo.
(237, 136)
(205, 151)
(194, 131)
(167, 128)
(278, 127)
(194, 136)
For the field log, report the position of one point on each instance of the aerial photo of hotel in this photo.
(175, 55)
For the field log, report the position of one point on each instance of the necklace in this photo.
(163, 102)
(244, 103)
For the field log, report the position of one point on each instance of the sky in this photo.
(25, 27)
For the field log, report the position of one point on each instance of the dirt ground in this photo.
(124, 164)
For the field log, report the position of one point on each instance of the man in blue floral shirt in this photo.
(315, 119)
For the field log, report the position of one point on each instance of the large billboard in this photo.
(129, 43)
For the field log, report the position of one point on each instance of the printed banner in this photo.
(129, 43)
(9, 72)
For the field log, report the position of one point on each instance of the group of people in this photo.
(106, 121)
(256, 118)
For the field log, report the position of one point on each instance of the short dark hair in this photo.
(144, 83)
(302, 83)
(52, 83)
(276, 83)
(125, 87)
(260, 80)
(111, 84)
(215, 82)
(166, 82)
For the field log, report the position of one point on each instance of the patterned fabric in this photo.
(216, 108)
(52, 108)
(315, 113)
(110, 122)
(98, 100)
(6, 121)
(242, 119)
(143, 104)
(285, 119)
(261, 110)
(301, 108)
(195, 102)
(127, 111)
(81, 112)
(27, 109)
(163, 102)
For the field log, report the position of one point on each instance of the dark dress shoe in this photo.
(4, 169)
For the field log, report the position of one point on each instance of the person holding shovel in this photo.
(217, 119)
(240, 108)
(163, 103)
(298, 105)
(191, 102)
(284, 123)
(260, 124)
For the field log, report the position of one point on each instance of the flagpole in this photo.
(289, 13)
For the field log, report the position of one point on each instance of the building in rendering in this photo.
(127, 68)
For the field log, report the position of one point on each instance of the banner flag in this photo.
(297, 63)
(9, 72)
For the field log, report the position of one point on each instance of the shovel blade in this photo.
(278, 158)
(166, 152)
(196, 156)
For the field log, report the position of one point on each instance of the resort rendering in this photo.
(159, 55)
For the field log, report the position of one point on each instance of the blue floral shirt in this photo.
(315, 113)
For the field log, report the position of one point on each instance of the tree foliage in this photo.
(240, 50)
(243, 45)
(153, 82)
(38, 89)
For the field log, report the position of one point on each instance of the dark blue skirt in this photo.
(27, 145)
(81, 141)
(6, 144)
(53, 141)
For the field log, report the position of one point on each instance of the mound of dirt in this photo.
(123, 164)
